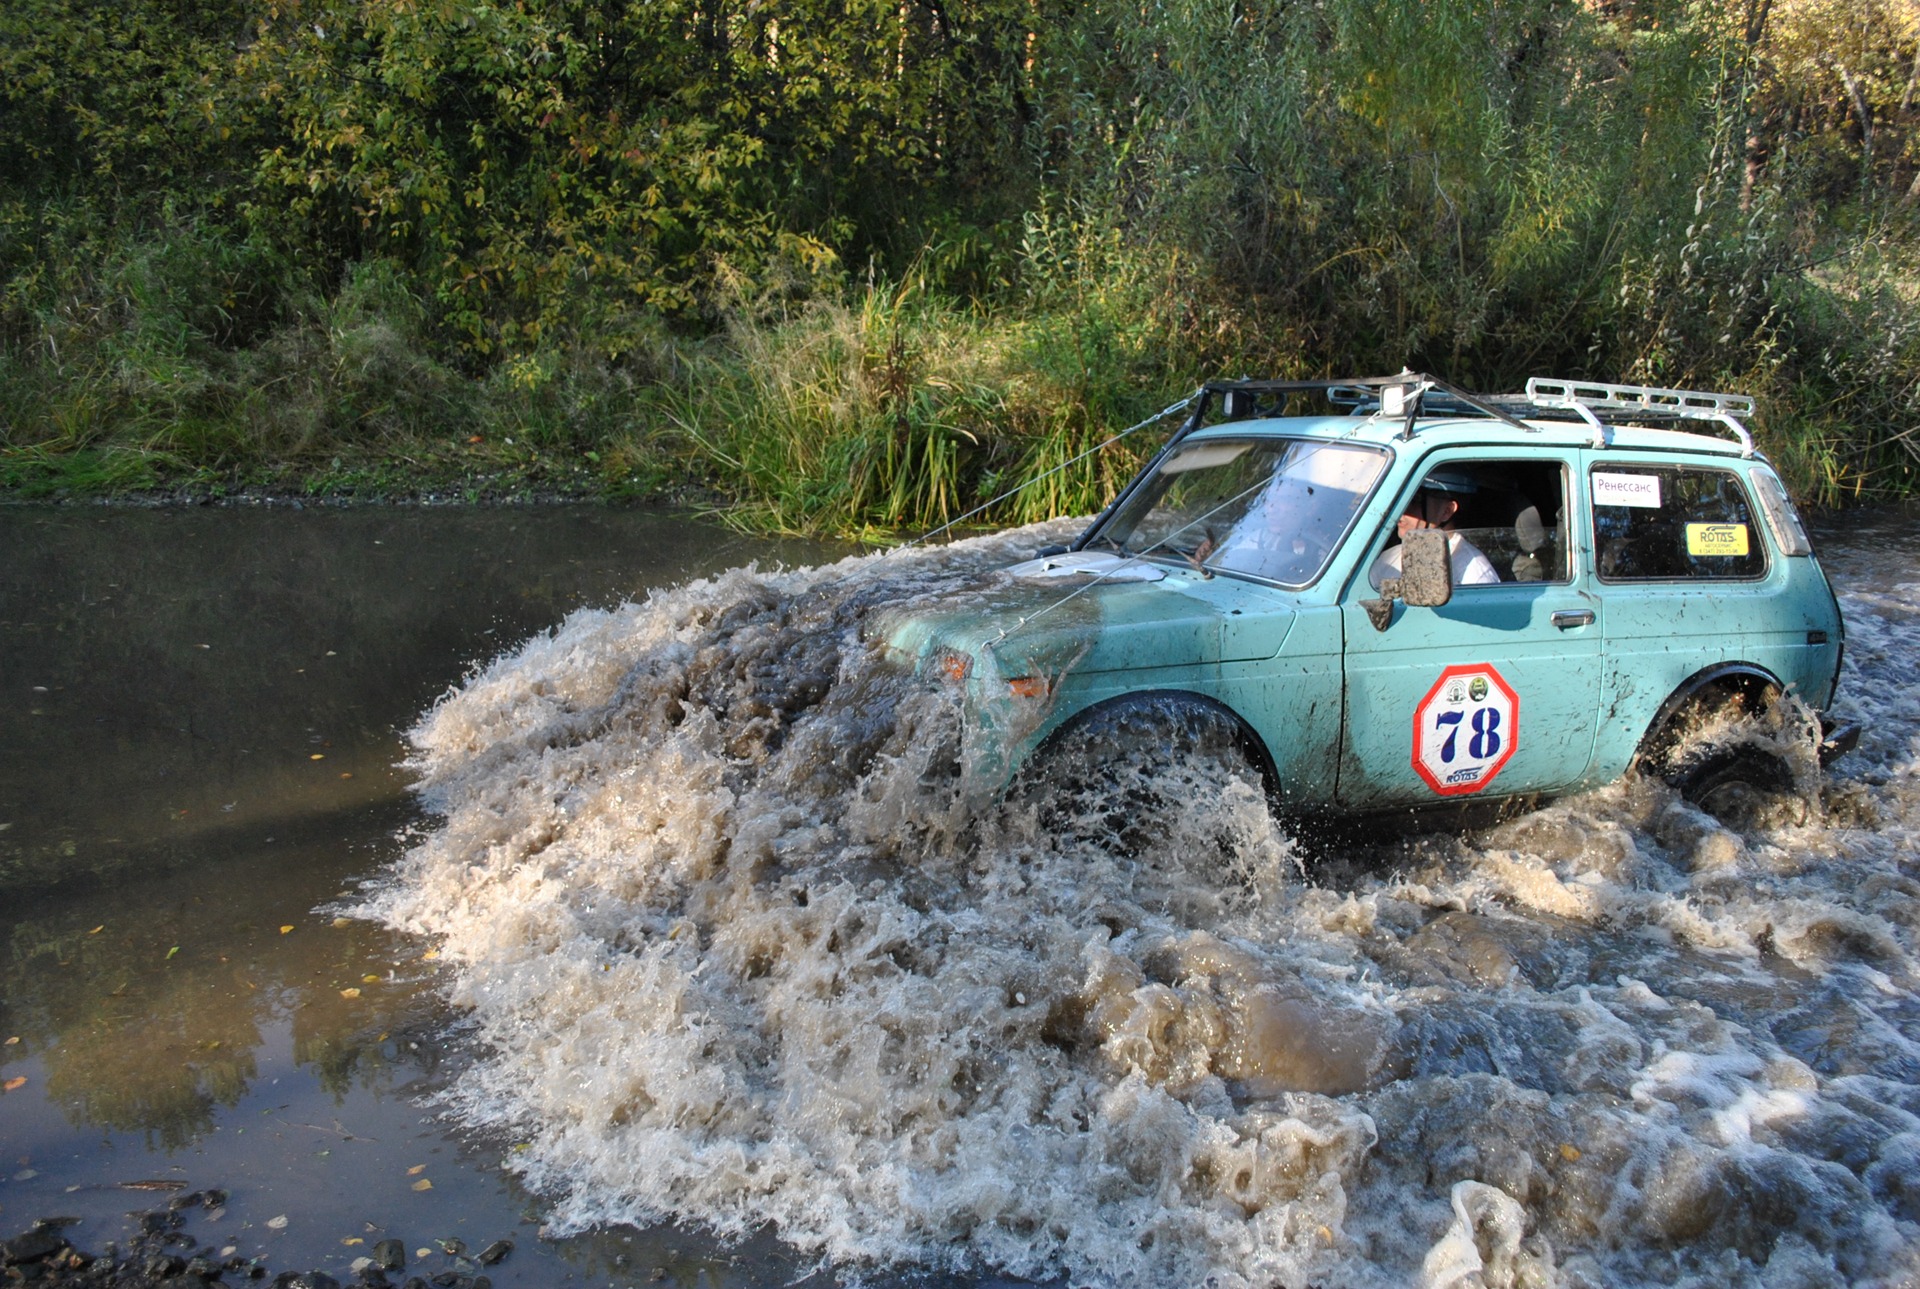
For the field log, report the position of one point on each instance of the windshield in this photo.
(1268, 508)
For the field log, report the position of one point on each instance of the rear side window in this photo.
(1658, 523)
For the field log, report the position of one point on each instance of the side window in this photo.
(1668, 523)
(1505, 521)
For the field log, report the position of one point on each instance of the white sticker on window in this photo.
(1642, 490)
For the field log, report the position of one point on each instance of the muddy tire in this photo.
(1145, 776)
(1741, 785)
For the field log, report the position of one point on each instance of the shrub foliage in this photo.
(853, 264)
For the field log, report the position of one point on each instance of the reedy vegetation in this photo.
(859, 266)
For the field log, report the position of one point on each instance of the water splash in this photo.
(744, 946)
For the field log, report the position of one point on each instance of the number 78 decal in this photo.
(1465, 729)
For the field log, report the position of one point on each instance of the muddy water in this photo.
(701, 931)
(201, 712)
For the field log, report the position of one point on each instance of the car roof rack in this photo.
(1411, 395)
(1600, 404)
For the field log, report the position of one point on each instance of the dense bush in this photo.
(855, 264)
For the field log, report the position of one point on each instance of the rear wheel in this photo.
(1741, 785)
(1736, 760)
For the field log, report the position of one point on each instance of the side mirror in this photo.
(1426, 568)
(1425, 581)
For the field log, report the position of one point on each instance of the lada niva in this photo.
(1420, 597)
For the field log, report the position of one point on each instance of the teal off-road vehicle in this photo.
(1417, 597)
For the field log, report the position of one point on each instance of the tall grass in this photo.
(891, 406)
(880, 407)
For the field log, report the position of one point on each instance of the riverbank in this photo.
(178, 1245)
(853, 411)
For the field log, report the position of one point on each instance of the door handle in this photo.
(1564, 618)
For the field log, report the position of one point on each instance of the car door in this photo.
(1691, 583)
(1495, 693)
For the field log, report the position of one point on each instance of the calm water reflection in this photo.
(200, 716)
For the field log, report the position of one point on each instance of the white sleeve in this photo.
(1471, 567)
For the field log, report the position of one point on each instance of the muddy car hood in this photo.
(1084, 622)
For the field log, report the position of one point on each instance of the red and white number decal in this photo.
(1465, 729)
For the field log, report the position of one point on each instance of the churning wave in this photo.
(744, 944)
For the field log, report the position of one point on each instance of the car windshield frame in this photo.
(1303, 477)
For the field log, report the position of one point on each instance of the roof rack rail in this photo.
(1590, 399)
(1410, 396)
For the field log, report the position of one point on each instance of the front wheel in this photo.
(1168, 780)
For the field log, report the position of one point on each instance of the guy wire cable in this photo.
(1028, 483)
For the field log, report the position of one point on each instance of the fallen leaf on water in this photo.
(1570, 1153)
(350, 993)
(277, 1223)
(416, 1170)
(318, 756)
(10, 1042)
(423, 1185)
(15, 1084)
(346, 776)
(369, 980)
(423, 1253)
(172, 951)
(429, 955)
(286, 929)
(353, 1239)
(97, 930)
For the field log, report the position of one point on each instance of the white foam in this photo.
(742, 948)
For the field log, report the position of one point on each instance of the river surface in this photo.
(202, 716)
(529, 874)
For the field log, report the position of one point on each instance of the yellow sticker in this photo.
(1716, 539)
